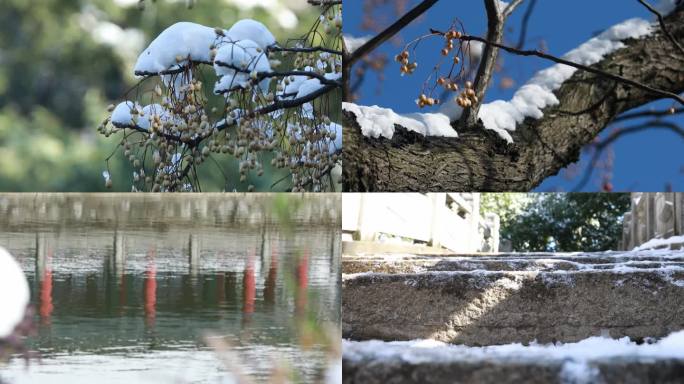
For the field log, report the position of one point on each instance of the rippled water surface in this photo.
(127, 288)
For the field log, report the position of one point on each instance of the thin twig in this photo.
(388, 32)
(656, 124)
(525, 22)
(636, 115)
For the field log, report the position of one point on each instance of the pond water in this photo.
(128, 288)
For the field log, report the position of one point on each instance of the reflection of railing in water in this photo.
(114, 269)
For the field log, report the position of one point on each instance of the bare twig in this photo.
(525, 22)
(600, 147)
(636, 115)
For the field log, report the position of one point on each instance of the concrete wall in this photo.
(449, 220)
(653, 215)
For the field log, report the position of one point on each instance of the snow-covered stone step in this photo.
(487, 307)
(593, 360)
(511, 262)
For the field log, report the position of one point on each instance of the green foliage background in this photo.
(56, 81)
(559, 222)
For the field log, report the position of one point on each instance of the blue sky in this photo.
(646, 161)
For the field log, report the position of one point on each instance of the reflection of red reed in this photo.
(271, 279)
(46, 306)
(122, 293)
(150, 293)
(249, 283)
(302, 283)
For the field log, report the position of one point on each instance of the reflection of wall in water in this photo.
(103, 210)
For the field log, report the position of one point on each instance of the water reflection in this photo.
(119, 283)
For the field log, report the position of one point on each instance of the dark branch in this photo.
(525, 22)
(388, 32)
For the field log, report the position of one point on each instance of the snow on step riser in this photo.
(413, 266)
(475, 372)
(507, 307)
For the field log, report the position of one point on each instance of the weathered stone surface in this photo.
(616, 294)
(625, 371)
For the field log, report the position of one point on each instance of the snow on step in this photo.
(635, 294)
(511, 262)
(592, 360)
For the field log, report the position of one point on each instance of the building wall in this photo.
(448, 220)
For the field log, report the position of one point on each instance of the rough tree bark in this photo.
(478, 160)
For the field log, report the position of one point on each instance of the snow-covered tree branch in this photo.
(514, 144)
(270, 101)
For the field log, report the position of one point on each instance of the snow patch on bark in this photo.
(377, 121)
(537, 94)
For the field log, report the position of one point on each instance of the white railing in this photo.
(653, 215)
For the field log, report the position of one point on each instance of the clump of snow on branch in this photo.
(537, 94)
(376, 122)
(174, 46)
(238, 62)
(190, 41)
(128, 114)
(14, 293)
(312, 85)
(266, 109)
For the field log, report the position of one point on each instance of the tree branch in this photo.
(478, 160)
(495, 24)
